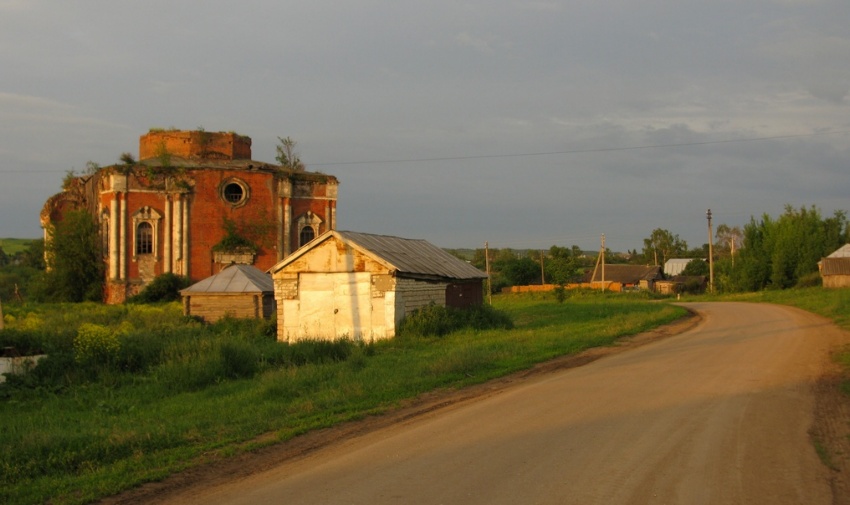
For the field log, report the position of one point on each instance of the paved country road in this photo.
(719, 414)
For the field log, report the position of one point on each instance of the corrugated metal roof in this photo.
(234, 279)
(842, 252)
(675, 266)
(835, 266)
(626, 274)
(413, 256)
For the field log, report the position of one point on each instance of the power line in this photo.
(530, 154)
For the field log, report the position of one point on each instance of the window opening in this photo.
(144, 238)
(234, 193)
(307, 234)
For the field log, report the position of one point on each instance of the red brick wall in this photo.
(191, 144)
(256, 219)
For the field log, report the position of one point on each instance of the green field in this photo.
(12, 246)
(131, 394)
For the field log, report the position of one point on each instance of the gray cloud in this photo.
(527, 111)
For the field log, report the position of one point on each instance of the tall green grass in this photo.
(176, 393)
(831, 303)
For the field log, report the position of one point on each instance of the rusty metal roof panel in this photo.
(626, 274)
(413, 256)
(835, 266)
(234, 279)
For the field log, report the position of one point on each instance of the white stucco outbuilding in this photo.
(357, 285)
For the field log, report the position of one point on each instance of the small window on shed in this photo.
(307, 234)
(144, 238)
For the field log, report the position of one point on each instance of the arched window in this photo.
(307, 234)
(144, 238)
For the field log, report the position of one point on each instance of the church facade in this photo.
(194, 203)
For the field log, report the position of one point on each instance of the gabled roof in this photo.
(841, 252)
(234, 279)
(625, 274)
(406, 257)
(675, 266)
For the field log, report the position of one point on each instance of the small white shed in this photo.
(357, 285)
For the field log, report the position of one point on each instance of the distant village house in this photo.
(835, 268)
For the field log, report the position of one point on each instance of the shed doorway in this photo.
(335, 305)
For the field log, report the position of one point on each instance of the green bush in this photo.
(164, 288)
(96, 345)
(560, 293)
(810, 280)
(438, 320)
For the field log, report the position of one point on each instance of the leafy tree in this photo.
(286, 155)
(561, 266)
(778, 253)
(520, 271)
(728, 239)
(663, 245)
(4, 258)
(32, 256)
(696, 266)
(73, 254)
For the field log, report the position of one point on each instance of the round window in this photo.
(234, 193)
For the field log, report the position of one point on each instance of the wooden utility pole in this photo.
(600, 258)
(602, 253)
(710, 254)
(487, 264)
(542, 271)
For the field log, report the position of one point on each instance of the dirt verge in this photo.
(831, 433)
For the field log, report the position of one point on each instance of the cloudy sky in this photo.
(522, 123)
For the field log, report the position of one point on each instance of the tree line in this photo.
(766, 253)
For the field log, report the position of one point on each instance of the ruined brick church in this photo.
(194, 203)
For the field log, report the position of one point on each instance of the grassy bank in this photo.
(12, 246)
(831, 303)
(172, 393)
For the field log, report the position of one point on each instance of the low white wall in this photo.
(18, 365)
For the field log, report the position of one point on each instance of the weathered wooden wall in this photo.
(212, 307)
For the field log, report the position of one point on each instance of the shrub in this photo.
(95, 345)
(164, 288)
(810, 280)
(560, 293)
(437, 320)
